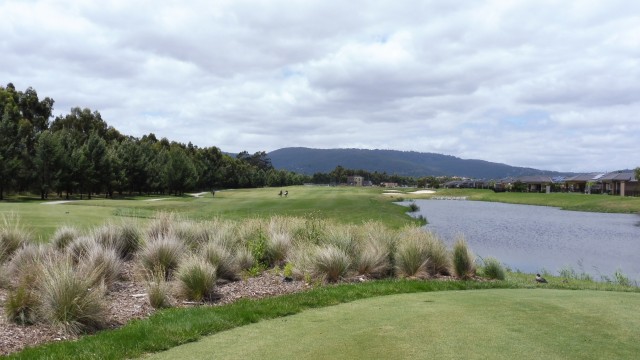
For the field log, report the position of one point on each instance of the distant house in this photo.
(389, 184)
(536, 183)
(533, 183)
(620, 183)
(584, 183)
(355, 180)
(466, 184)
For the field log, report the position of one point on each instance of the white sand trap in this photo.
(57, 202)
(423, 192)
(198, 194)
(157, 199)
(391, 193)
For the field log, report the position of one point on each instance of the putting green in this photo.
(479, 324)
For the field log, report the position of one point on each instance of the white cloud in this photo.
(547, 84)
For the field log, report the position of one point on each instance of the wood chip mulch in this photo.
(127, 300)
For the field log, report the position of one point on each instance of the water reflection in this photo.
(538, 238)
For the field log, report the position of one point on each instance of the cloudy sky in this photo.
(546, 84)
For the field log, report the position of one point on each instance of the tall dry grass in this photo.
(222, 259)
(196, 279)
(464, 265)
(68, 298)
(12, 236)
(331, 263)
(162, 254)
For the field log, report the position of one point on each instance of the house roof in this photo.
(535, 179)
(584, 177)
(619, 176)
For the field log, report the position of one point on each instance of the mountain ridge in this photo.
(404, 163)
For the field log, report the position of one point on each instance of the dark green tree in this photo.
(47, 160)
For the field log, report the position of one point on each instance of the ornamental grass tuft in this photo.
(101, 265)
(412, 253)
(222, 259)
(492, 269)
(277, 247)
(463, 259)
(68, 298)
(21, 304)
(162, 254)
(331, 263)
(158, 291)
(196, 279)
(12, 237)
(64, 236)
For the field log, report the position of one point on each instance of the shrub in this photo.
(196, 279)
(492, 269)
(426, 246)
(67, 298)
(331, 263)
(222, 259)
(413, 207)
(64, 236)
(312, 231)
(101, 265)
(463, 260)
(258, 246)
(161, 255)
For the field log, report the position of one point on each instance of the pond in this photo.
(540, 238)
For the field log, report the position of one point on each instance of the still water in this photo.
(538, 238)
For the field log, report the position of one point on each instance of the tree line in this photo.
(80, 154)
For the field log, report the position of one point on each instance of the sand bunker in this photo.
(423, 192)
(57, 202)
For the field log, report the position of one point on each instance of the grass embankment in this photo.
(496, 324)
(342, 204)
(564, 318)
(566, 201)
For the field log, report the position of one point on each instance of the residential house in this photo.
(355, 180)
(584, 183)
(536, 183)
(621, 183)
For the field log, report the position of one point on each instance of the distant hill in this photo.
(405, 163)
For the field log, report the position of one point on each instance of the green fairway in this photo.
(342, 204)
(480, 324)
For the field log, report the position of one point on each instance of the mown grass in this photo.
(172, 327)
(342, 204)
(480, 324)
